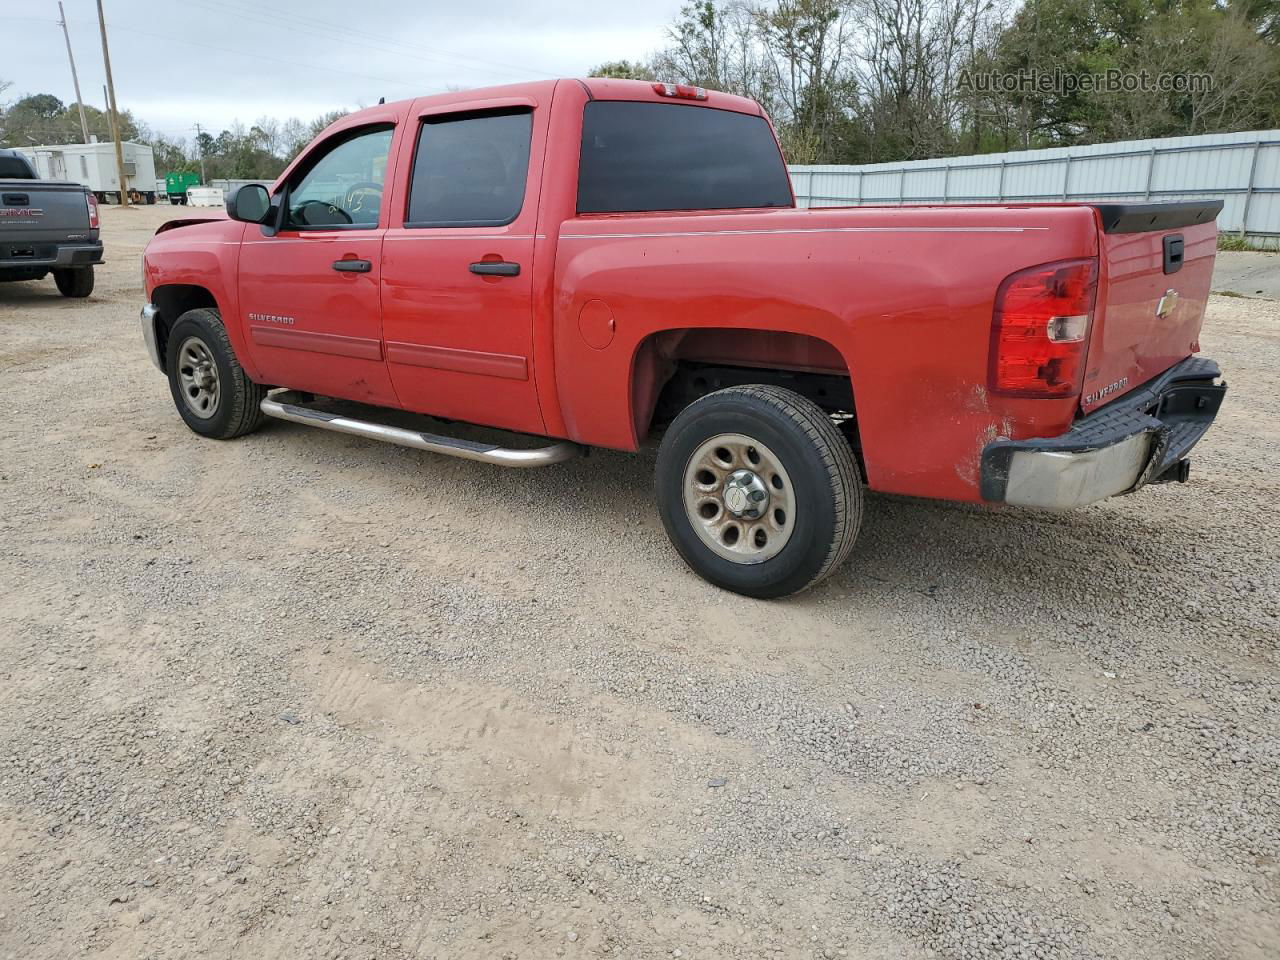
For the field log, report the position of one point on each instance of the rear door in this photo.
(1156, 273)
(309, 294)
(457, 272)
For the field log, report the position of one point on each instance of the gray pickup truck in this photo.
(46, 226)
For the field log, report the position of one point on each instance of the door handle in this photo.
(501, 268)
(352, 266)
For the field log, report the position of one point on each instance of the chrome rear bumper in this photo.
(1142, 437)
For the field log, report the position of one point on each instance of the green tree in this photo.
(43, 105)
(1165, 38)
(623, 70)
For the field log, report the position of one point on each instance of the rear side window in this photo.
(469, 170)
(660, 156)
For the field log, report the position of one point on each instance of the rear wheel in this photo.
(74, 281)
(213, 394)
(758, 490)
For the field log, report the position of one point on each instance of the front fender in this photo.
(205, 255)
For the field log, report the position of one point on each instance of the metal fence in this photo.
(1241, 169)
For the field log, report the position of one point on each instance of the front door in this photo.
(309, 295)
(457, 275)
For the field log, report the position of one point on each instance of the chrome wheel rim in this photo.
(198, 377)
(739, 498)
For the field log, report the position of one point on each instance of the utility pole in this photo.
(111, 105)
(62, 22)
(106, 112)
(200, 148)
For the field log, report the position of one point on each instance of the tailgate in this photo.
(38, 210)
(1156, 268)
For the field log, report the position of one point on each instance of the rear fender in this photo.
(658, 357)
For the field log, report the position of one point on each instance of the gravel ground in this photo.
(303, 695)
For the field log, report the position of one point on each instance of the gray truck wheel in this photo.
(758, 490)
(213, 394)
(74, 281)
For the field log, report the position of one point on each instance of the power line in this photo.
(346, 34)
(134, 31)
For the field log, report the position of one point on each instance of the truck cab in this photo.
(599, 262)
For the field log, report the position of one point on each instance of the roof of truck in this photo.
(597, 88)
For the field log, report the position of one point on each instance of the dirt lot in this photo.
(302, 695)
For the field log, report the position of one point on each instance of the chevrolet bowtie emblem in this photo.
(1167, 303)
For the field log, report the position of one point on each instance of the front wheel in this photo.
(74, 281)
(758, 490)
(213, 394)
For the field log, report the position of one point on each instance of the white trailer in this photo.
(94, 165)
(206, 197)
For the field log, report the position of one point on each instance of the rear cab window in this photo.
(640, 157)
(16, 168)
(469, 170)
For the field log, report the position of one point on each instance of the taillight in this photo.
(1040, 332)
(681, 91)
(91, 202)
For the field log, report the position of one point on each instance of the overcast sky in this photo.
(182, 62)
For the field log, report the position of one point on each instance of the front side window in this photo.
(469, 170)
(344, 187)
(666, 156)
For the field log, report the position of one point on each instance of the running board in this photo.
(284, 406)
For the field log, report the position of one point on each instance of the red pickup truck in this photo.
(603, 261)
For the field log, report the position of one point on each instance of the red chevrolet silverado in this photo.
(603, 261)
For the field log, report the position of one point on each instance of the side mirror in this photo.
(250, 204)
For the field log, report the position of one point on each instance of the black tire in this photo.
(74, 281)
(173, 201)
(826, 487)
(237, 408)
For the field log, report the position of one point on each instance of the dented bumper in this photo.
(1140, 438)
